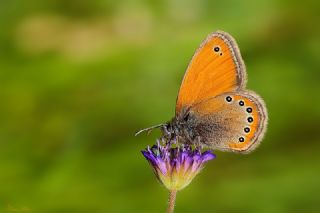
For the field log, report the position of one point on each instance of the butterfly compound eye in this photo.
(186, 117)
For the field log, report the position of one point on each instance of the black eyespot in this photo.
(216, 49)
(247, 129)
(250, 119)
(249, 109)
(220, 54)
(228, 98)
(241, 139)
(241, 103)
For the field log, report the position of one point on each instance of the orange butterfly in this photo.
(213, 107)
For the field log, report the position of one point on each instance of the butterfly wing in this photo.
(234, 121)
(215, 68)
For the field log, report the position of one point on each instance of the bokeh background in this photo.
(78, 78)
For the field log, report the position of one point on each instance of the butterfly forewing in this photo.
(215, 68)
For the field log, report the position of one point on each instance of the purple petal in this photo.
(197, 157)
(176, 164)
(196, 163)
(188, 159)
(162, 166)
(149, 156)
(207, 155)
(156, 162)
(184, 156)
(195, 167)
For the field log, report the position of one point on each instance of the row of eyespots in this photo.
(249, 119)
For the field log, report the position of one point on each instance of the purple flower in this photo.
(175, 166)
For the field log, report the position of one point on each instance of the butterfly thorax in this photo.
(181, 127)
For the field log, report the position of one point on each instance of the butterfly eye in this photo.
(186, 117)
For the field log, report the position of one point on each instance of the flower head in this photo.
(176, 166)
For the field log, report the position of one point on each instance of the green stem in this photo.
(171, 201)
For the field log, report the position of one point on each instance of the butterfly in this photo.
(213, 107)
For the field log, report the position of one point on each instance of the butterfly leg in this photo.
(197, 143)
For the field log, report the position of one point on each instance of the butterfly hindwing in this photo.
(234, 121)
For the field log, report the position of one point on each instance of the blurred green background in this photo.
(78, 78)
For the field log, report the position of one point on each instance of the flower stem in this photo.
(171, 201)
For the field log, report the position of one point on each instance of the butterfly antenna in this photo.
(149, 129)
